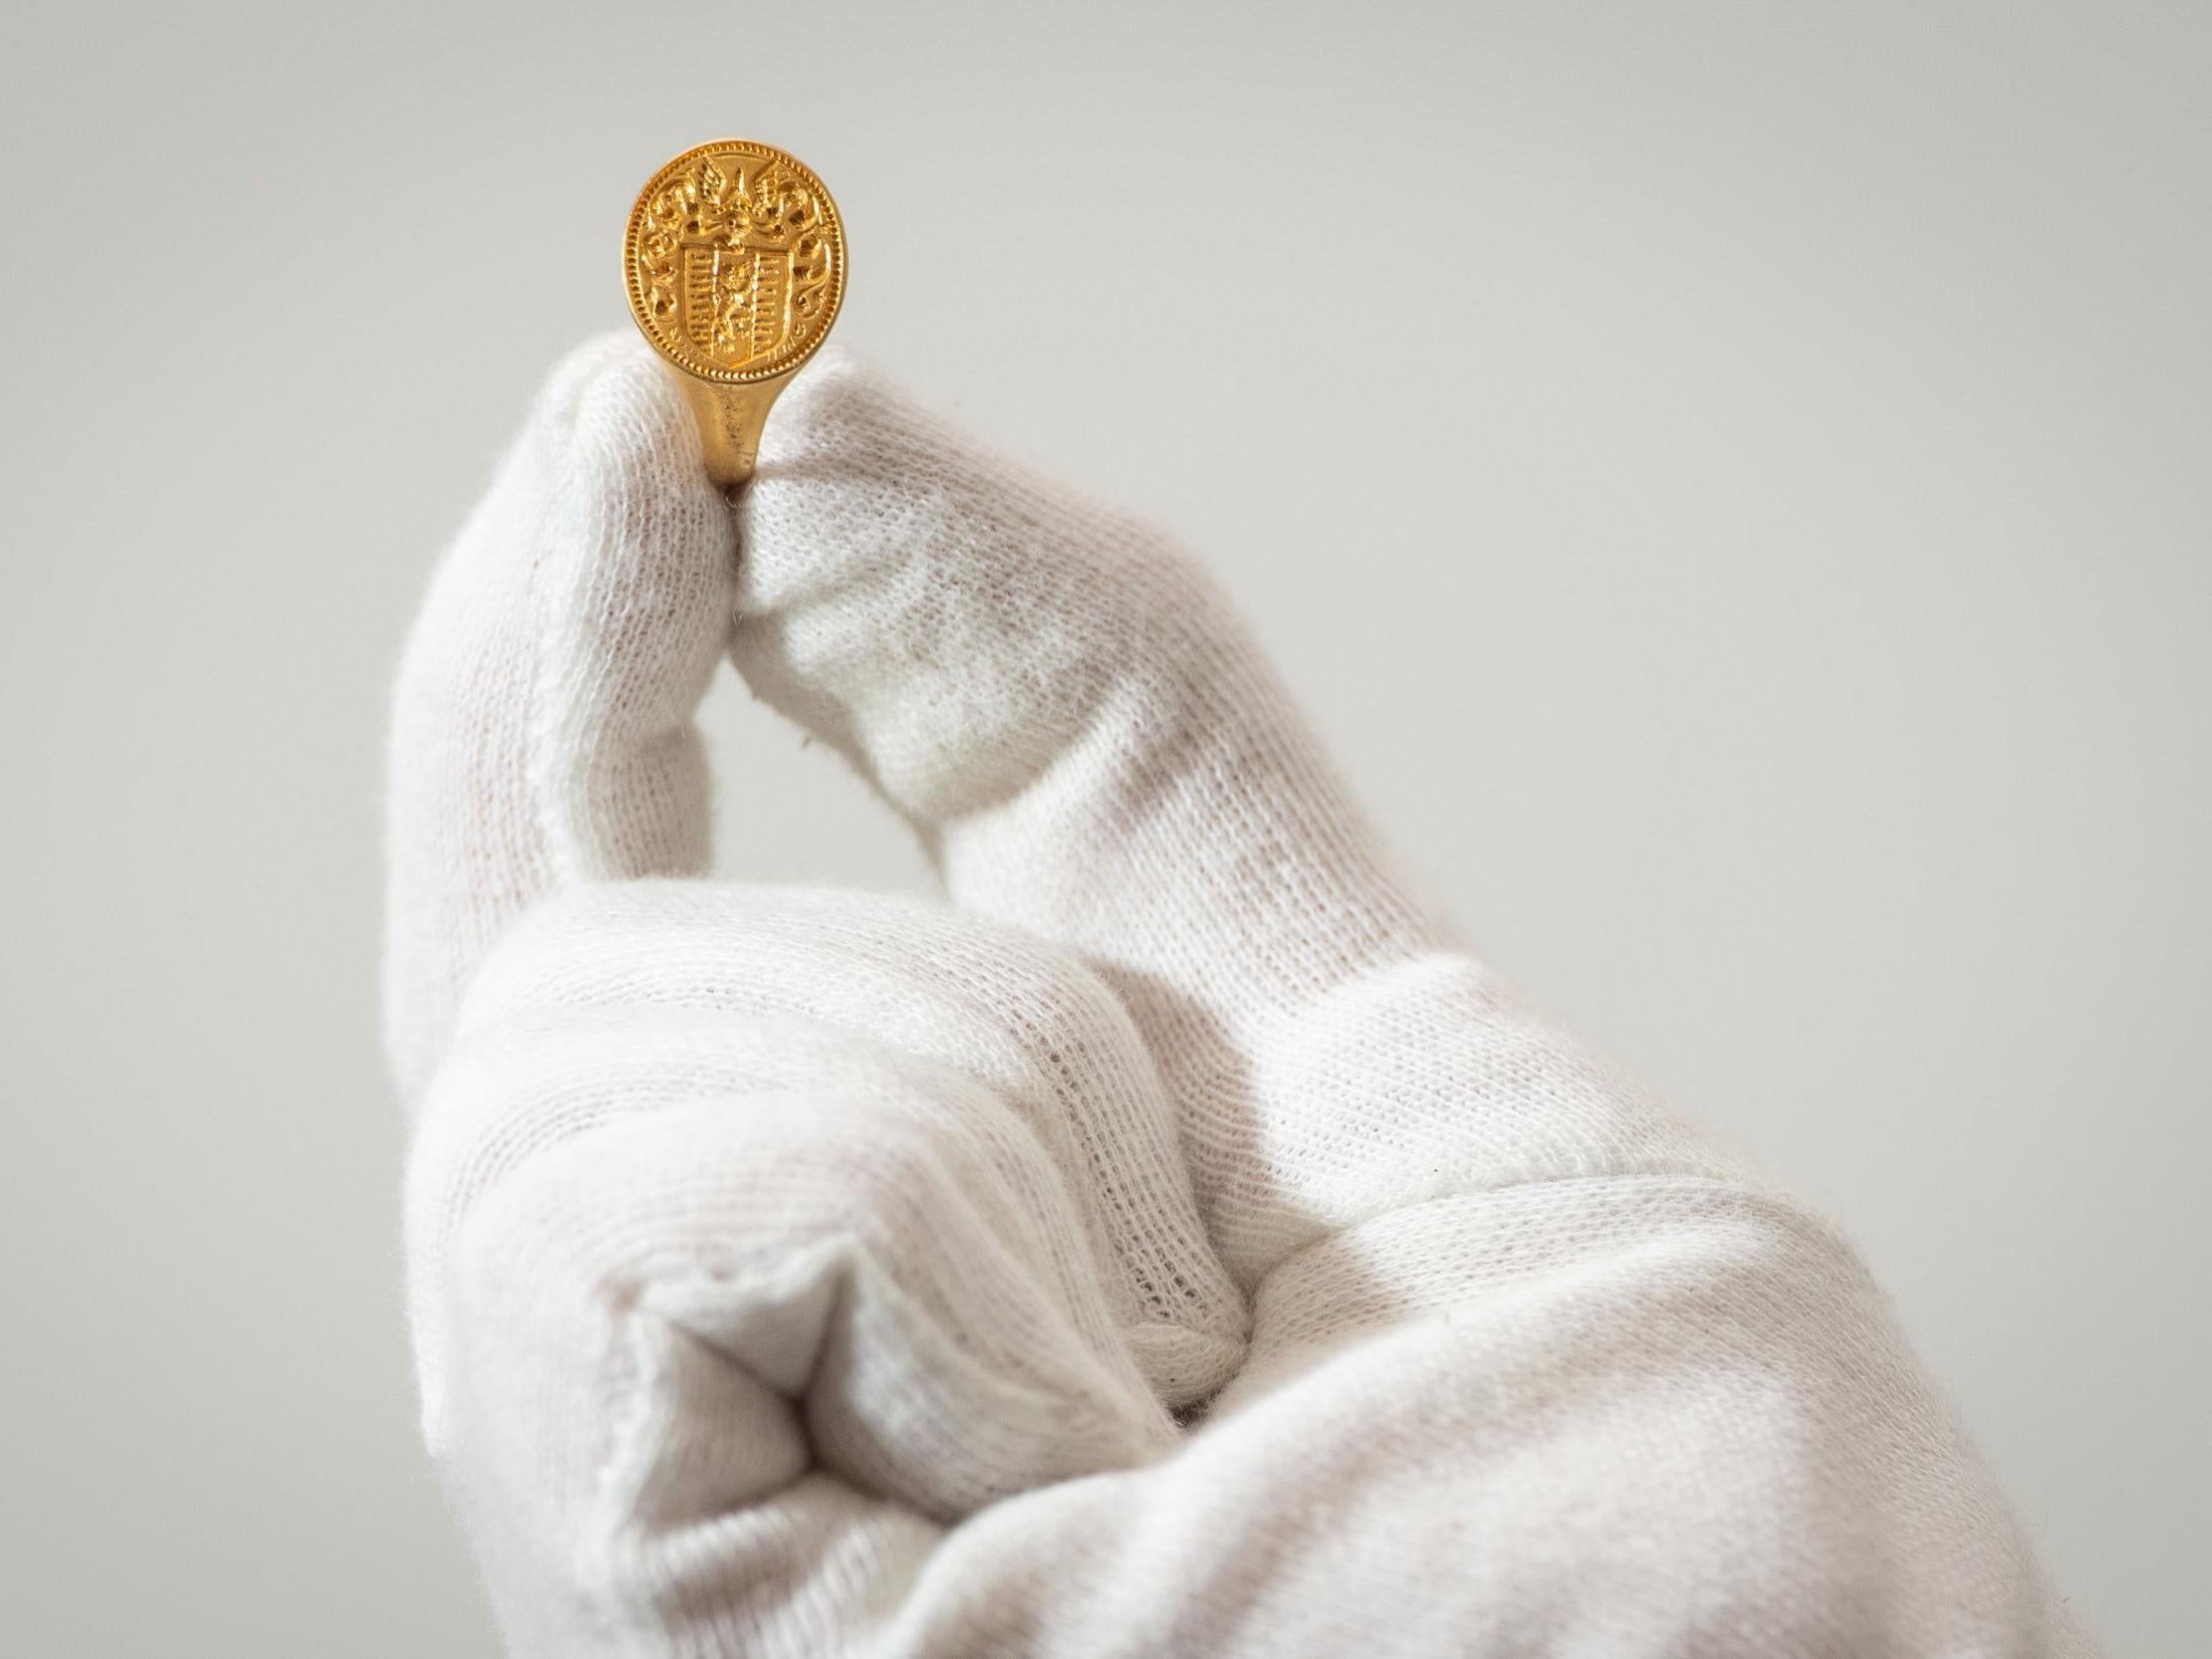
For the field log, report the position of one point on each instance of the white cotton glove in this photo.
(1172, 1243)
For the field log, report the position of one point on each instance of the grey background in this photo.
(1730, 481)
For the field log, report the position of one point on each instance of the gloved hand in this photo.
(1174, 1243)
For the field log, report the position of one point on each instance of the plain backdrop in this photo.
(1730, 481)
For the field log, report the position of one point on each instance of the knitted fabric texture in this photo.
(1172, 1242)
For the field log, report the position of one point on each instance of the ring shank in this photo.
(730, 418)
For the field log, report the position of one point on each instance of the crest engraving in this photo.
(736, 260)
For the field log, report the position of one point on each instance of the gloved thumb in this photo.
(542, 731)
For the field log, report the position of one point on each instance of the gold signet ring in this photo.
(734, 260)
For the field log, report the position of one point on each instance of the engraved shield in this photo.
(735, 299)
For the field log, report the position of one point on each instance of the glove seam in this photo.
(1761, 1194)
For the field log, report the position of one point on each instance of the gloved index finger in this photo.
(1089, 740)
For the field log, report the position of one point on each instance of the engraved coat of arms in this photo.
(735, 261)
